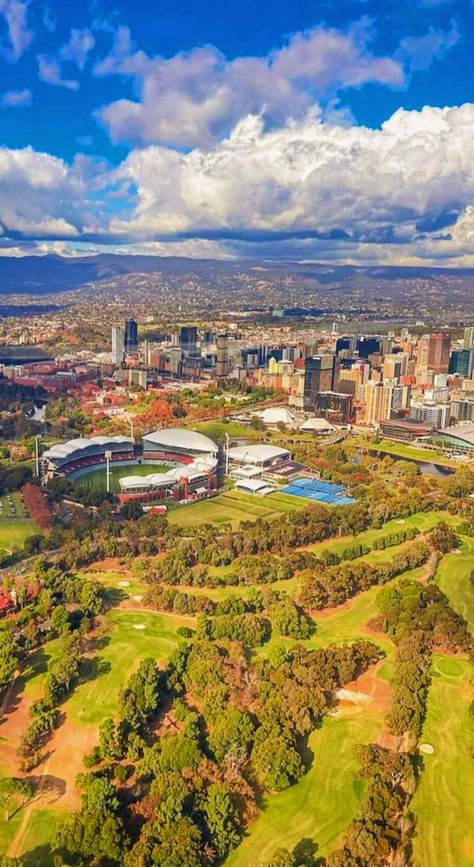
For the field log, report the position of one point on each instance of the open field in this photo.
(322, 804)
(232, 508)
(453, 576)
(15, 525)
(444, 801)
(98, 478)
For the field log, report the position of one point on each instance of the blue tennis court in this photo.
(322, 492)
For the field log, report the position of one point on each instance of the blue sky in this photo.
(332, 131)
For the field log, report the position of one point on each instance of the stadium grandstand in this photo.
(189, 460)
(79, 456)
(192, 458)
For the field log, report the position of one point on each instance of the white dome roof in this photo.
(179, 438)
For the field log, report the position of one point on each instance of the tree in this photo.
(139, 700)
(221, 819)
(276, 760)
(8, 659)
(132, 511)
(232, 733)
(14, 793)
(280, 858)
(442, 538)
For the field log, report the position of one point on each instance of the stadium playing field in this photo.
(97, 477)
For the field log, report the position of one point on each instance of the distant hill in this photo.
(34, 275)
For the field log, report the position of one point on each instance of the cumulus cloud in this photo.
(16, 98)
(19, 35)
(196, 97)
(308, 190)
(310, 178)
(41, 196)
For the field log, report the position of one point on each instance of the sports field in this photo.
(443, 804)
(97, 478)
(15, 525)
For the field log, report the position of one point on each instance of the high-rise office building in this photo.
(367, 346)
(222, 360)
(378, 401)
(334, 406)
(433, 352)
(437, 414)
(462, 362)
(321, 373)
(469, 338)
(118, 344)
(188, 339)
(131, 336)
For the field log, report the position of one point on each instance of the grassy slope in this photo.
(405, 450)
(444, 801)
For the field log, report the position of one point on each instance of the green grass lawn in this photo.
(322, 804)
(453, 577)
(15, 525)
(443, 804)
(232, 507)
(124, 646)
(404, 450)
(98, 478)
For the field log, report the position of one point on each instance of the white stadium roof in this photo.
(179, 438)
(65, 450)
(257, 454)
(253, 486)
(317, 424)
(190, 471)
(277, 415)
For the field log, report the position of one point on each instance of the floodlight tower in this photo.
(108, 456)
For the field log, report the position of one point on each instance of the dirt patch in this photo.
(109, 564)
(371, 684)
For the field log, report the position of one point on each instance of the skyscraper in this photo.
(433, 352)
(469, 338)
(222, 361)
(118, 344)
(131, 336)
(320, 374)
(462, 362)
(188, 339)
(378, 401)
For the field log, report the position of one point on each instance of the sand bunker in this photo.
(137, 598)
(123, 584)
(139, 626)
(428, 749)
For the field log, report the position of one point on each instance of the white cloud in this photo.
(49, 71)
(42, 196)
(418, 52)
(16, 98)
(308, 190)
(349, 182)
(77, 49)
(19, 35)
(195, 98)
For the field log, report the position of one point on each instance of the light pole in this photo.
(227, 454)
(37, 461)
(108, 455)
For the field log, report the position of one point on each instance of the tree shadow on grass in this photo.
(113, 596)
(94, 667)
(40, 856)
